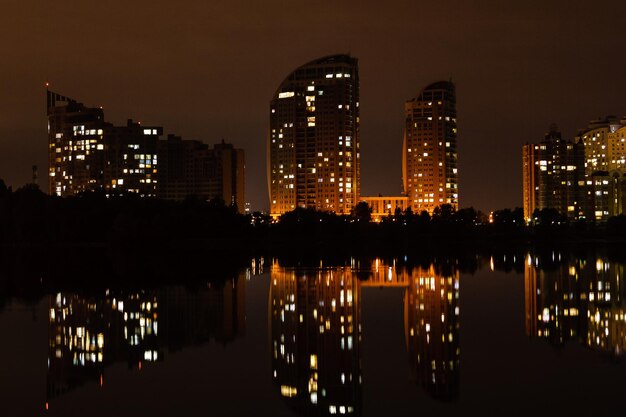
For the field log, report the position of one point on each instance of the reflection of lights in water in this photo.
(288, 391)
(323, 304)
(575, 296)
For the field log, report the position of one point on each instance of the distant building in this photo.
(606, 194)
(530, 172)
(313, 156)
(183, 168)
(190, 167)
(605, 145)
(429, 155)
(131, 157)
(383, 206)
(554, 176)
(228, 169)
(584, 179)
(604, 141)
(85, 153)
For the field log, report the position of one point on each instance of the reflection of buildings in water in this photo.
(315, 334)
(607, 308)
(553, 303)
(582, 301)
(431, 308)
(383, 275)
(431, 322)
(86, 335)
(256, 266)
(192, 317)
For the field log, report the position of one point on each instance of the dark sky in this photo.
(207, 70)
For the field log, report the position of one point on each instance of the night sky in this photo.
(208, 69)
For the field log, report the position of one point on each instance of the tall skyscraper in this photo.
(85, 153)
(429, 153)
(554, 176)
(313, 158)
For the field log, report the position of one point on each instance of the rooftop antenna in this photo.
(35, 176)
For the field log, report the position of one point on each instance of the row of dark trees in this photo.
(30, 217)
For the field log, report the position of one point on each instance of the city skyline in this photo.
(580, 178)
(517, 68)
(313, 208)
(88, 153)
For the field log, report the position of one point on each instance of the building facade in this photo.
(605, 194)
(604, 142)
(530, 155)
(429, 153)
(131, 158)
(554, 176)
(85, 153)
(383, 206)
(313, 158)
(183, 169)
(190, 167)
(228, 170)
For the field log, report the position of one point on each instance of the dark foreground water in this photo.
(365, 338)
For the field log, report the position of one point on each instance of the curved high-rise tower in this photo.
(429, 153)
(313, 156)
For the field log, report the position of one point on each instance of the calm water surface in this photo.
(365, 339)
